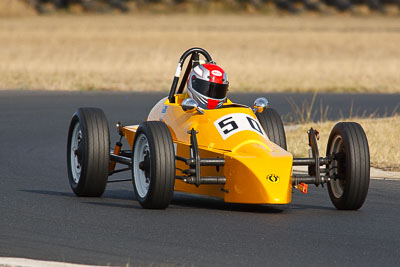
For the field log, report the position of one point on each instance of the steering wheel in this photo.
(194, 52)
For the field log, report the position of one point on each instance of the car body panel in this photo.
(256, 169)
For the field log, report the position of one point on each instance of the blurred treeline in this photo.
(207, 6)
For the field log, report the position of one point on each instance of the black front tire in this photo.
(153, 165)
(273, 126)
(352, 166)
(88, 152)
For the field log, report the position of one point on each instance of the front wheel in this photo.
(153, 165)
(88, 152)
(350, 169)
(273, 126)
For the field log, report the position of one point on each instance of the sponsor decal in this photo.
(216, 73)
(231, 124)
(163, 111)
(273, 178)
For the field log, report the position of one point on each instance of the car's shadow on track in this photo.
(181, 200)
(109, 195)
(113, 198)
(309, 207)
(49, 193)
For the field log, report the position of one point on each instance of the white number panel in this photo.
(236, 122)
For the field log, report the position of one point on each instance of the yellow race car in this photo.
(236, 153)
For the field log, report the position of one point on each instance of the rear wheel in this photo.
(350, 168)
(88, 151)
(273, 126)
(153, 165)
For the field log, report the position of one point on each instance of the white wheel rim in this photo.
(76, 139)
(141, 149)
(337, 186)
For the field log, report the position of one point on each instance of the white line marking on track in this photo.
(376, 174)
(22, 262)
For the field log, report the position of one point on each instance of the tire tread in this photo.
(272, 124)
(94, 173)
(357, 172)
(162, 154)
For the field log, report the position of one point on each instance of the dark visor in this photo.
(213, 90)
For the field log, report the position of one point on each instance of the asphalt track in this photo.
(40, 218)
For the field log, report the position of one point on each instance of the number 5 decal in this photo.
(237, 122)
(228, 125)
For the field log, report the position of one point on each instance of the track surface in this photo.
(40, 217)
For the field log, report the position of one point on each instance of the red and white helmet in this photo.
(208, 85)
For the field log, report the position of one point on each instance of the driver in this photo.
(208, 85)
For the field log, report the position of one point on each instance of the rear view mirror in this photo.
(260, 104)
(190, 105)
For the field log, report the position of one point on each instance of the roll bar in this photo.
(194, 52)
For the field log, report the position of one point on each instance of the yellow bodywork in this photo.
(256, 170)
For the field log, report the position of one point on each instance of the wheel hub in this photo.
(141, 165)
(338, 167)
(145, 164)
(76, 153)
(79, 152)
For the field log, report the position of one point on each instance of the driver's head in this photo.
(208, 85)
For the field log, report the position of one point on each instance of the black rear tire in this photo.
(153, 165)
(273, 126)
(88, 152)
(352, 165)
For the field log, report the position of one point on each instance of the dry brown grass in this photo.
(265, 53)
(14, 8)
(382, 135)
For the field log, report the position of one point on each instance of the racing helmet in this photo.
(208, 85)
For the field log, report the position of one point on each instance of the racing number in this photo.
(254, 124)
(237, 122)
(223, 124)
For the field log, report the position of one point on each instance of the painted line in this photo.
(376, 174)
(19, 262)
(385, 179)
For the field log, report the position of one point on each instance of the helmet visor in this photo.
(213, 90)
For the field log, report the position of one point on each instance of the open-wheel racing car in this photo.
(236, 153)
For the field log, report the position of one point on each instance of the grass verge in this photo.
(260, 53)
(382, 135)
